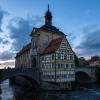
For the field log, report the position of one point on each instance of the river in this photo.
(19, 93)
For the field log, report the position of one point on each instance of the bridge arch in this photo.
(82, 77)
(28, 74)
(31, 81)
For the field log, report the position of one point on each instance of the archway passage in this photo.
(82, 77)
(34, 62)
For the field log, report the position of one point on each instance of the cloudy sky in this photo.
(78, 19)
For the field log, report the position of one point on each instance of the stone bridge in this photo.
(86, 73)
(27, 73)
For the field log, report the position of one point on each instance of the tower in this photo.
(48, 17)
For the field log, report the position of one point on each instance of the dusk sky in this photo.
(78, 19)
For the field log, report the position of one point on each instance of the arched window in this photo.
(45, 39)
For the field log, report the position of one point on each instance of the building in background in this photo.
(83, 62)
(94, 61)
(50, 53)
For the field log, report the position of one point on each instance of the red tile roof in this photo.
(53, 46)
(94, 58)
(24, 49)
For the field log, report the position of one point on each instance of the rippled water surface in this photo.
(19, 93)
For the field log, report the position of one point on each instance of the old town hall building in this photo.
(50, 53)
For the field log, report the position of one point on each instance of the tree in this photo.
(76, 60)
(98, 75)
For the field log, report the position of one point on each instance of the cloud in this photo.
(90, 43)
(6, 64)
(6, 55)
(2, 14)
(14, 33)
(19, 30)
(4, 41)
(1, 39)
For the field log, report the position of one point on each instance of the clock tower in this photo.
(48, 17)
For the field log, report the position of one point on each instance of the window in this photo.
(58, 65)
(62, 56)
(72, 65)
(42, 58)
(42, 66)
(72, 75)
(71, 57)
(62, 50)
(45, 39)
(65, 56)
(62, 65)
(63, 44)
(45, 66)
(53, 65)
(56, 56)
(68, 46)
(49, 65)
(48, 59)
(68, 51)
(53, 56)
(68, 57)
(67, 65)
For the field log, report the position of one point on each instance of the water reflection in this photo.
(22, 93)
(7, 91)
(28, 94)
(25, 94)
(42, 95)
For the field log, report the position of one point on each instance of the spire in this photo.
(48, 17)
(48, 6)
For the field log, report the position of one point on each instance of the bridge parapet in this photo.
(90, 71)
(8, 73)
